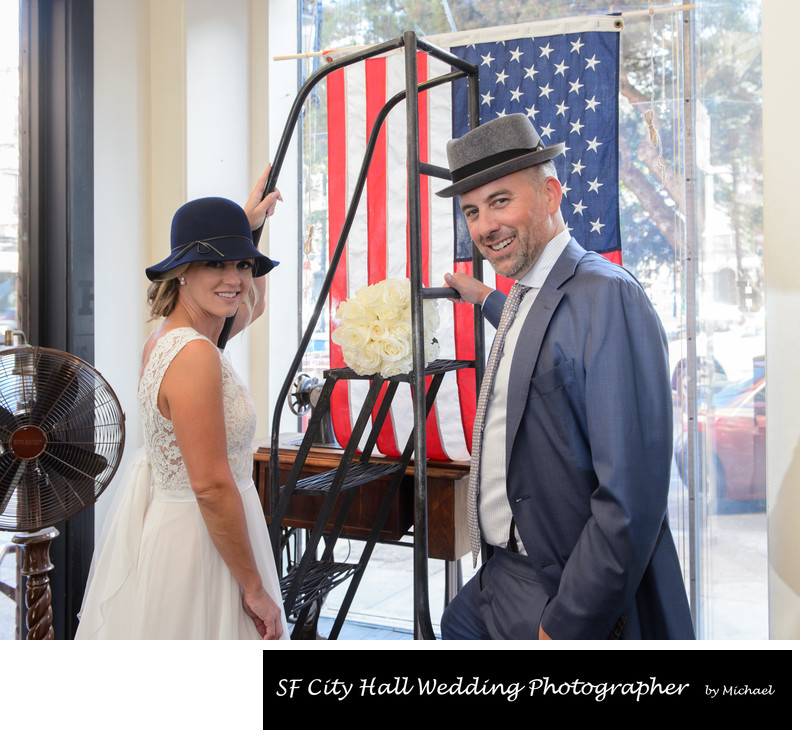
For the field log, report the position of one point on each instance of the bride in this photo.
(188, 555)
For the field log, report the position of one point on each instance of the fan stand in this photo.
(35, 567)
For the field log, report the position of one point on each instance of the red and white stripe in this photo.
(377, 247)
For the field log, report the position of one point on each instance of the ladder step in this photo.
(321, 578)
(440, 366)
(357, 474)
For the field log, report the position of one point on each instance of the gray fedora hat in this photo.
(493, 150)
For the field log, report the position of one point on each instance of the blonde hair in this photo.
(162, 294)
(250, 299)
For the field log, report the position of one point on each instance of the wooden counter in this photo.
(447, 501)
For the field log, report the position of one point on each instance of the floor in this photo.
(381, 610)
(352, 631)
(382, 607)
(734, 605)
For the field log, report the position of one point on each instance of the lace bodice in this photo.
(162, 449)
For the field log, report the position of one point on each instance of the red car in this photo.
(733, 431)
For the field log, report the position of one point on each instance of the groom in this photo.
(571, 459)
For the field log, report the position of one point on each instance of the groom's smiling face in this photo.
(511, 219)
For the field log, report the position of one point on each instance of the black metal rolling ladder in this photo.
(312, 578)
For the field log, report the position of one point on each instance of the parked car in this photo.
(710, 376)
(732, 445)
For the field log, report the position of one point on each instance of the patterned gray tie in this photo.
(506, 319)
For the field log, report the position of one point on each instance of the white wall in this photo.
(782, 272)
(218, 114)
(181, 111)
(121, 203)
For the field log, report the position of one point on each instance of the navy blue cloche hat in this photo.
(211, 229)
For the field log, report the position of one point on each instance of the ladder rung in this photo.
(440, 366)
(359, 473)
(435, 171)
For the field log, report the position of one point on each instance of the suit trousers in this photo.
(503, 601)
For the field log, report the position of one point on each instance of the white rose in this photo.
(351, 337)
(389, 313)
(430, 315)
(378, 330)
(364, 361)
(371, 296)
(401, 330)
(393, 349)
(351, 311)
(390, 369)
(395, 292)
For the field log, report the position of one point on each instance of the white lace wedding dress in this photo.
(158, 574)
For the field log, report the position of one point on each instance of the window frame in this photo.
(57, 232)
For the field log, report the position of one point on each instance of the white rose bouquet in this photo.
(375, 329)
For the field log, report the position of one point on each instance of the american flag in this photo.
(563, 75)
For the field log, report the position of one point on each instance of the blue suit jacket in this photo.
(589, 451)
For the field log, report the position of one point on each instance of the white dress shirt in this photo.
(494, 511)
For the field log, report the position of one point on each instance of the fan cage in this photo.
(62, 434)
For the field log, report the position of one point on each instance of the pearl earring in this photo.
(181, 280)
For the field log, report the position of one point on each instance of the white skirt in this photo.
(158, 575)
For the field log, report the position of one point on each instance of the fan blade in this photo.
(30, 500)
(68, 495)
(73, 462)
(10, 473)
(56, 393)
(8, 423)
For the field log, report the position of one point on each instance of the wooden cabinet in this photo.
(447, 501)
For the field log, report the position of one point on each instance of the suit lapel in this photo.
(538, 319)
